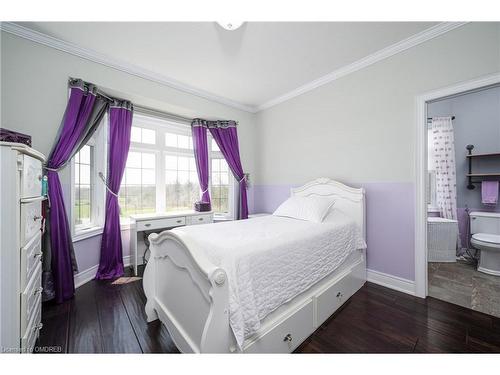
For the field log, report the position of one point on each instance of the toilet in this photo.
(485, 230)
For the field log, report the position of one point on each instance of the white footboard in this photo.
(189, 295)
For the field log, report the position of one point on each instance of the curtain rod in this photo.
(162, 114)
(142, 109)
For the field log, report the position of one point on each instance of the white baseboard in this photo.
(85, 276)
(390, 281)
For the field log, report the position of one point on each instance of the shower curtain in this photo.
(442, 159)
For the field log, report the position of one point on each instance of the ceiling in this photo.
(251, 65)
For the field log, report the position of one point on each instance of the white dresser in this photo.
(20, 247)
(157, 223)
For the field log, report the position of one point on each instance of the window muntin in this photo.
(138, 190)
(84, 186)
(142, 135)
(179, 141)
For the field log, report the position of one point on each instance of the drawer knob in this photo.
(288, 338)
(340, 295)
(179, 221)
(200, 219)
(147, 225)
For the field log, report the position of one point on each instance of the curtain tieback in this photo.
(244, 178)
(105, 184)
(204, 191)
(52, 169)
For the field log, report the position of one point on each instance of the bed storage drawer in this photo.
(31, 185)
(287, 335)
(200, 219)
(31, 220)
(329, 300)
(31, 256)
(161, 223)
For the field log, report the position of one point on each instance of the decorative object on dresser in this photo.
(20, 246)
(159, 222)
(202, 206)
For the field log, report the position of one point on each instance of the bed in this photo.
(261, 285)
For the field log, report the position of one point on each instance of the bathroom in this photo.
(463, 227)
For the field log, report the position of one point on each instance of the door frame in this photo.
(422, 101)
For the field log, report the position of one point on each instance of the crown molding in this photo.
(135, 70)
(99, 58)
(380, 55)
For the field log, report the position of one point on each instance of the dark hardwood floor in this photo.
(109, 318)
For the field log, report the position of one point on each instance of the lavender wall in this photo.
(390, 215)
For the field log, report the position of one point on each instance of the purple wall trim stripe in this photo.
(390, 222)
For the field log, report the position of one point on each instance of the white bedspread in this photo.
(270, 260)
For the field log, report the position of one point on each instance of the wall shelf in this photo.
(491, 154)
(479, 176)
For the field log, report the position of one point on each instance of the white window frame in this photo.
(163, 126)
(98, 193)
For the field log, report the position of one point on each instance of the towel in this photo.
(489, 192)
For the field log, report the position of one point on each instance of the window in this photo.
(219, 192)
(181, 181)
(84, 184)
(160, 173)
(222, 192)
(88, 193)
(138, 189)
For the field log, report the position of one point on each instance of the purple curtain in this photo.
(83, 115)
(120, 124)
(226, 137)
(201, 156)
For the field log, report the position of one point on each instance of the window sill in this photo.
(87, 233)
(97, 231)
(433, 209)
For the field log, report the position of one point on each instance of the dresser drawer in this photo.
(161, 223)
(200, 219)
(31, 256)
(328, 301)
(31, 183)
(286, 336)
(30, 298)
(31, 220)
(31, 334)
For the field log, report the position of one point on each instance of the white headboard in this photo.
(350, 200)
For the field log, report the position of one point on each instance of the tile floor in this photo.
(460, 283)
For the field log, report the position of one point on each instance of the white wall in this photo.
(34, 94)
(360, 127)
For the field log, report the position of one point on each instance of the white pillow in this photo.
(312, 208)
